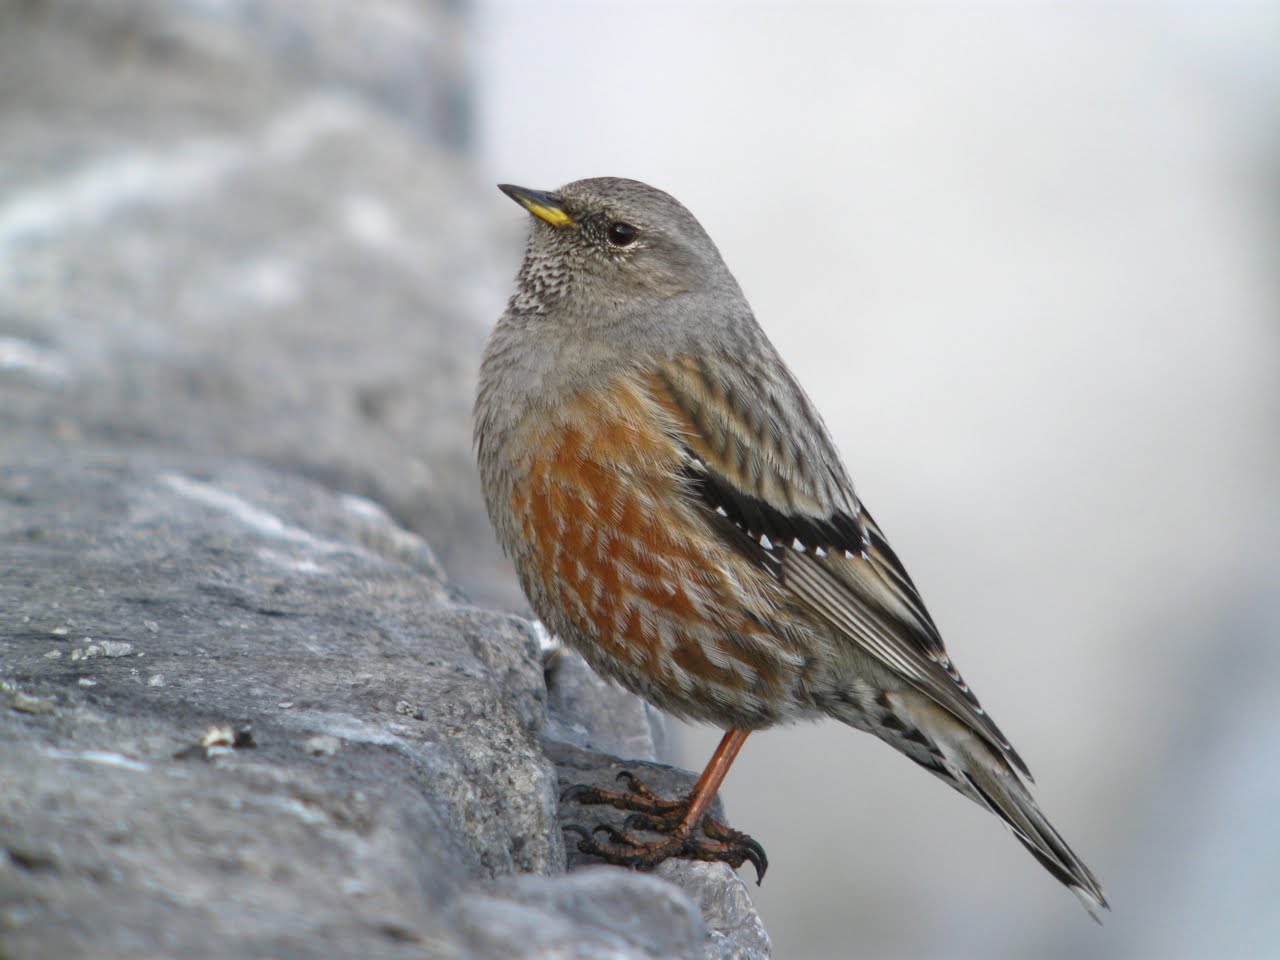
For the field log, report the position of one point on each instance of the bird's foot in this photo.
(717, 844)
(709, 840)
(637, 798)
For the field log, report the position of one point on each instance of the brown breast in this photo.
(630, 562)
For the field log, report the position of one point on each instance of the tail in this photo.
(991, 782)
(954, 753)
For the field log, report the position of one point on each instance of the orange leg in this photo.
(678, 820)
(708, 785)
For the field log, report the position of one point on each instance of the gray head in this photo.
(605, 247)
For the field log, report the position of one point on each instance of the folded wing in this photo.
(765, 465)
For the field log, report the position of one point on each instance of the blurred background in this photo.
(1025, 258)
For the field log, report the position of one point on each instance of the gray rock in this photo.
(590, 913)
(734, 928)
(338, 750)
(244, 281)
(223, 252)
(589, 711)
(258, 598)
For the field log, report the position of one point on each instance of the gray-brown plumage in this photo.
(677, 513)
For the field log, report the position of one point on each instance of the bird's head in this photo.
(616, 245)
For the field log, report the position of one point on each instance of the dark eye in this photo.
(622, 234)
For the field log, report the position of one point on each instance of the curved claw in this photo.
(755, 854)
(640, 821)
(627, 777)
(742, 846)
(587, 842)
(573, 792)
(625, 849)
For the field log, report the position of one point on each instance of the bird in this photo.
(677, 512)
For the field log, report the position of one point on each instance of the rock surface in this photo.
(244, 280)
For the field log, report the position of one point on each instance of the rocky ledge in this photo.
(244, 711)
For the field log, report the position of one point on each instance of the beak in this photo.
(543, 205)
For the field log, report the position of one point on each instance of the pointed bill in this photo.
(542, 204)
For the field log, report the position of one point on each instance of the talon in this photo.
(709, 840)
(755, 854)
(624, 849)
(737, 846)
(638, 789)
(583, 835)
(574, 792)
(640, 821)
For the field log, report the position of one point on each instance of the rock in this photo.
(338, 752)
(734, 928)
(224, 245)
(244, 711)
(270, 610)
(590, 913)
(589, 711)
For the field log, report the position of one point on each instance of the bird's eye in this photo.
(622, 234)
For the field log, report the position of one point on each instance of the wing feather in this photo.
(807, 527)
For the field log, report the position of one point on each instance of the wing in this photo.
(759, 456)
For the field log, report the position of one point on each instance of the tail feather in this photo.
(1004, 794)
(935, 739)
